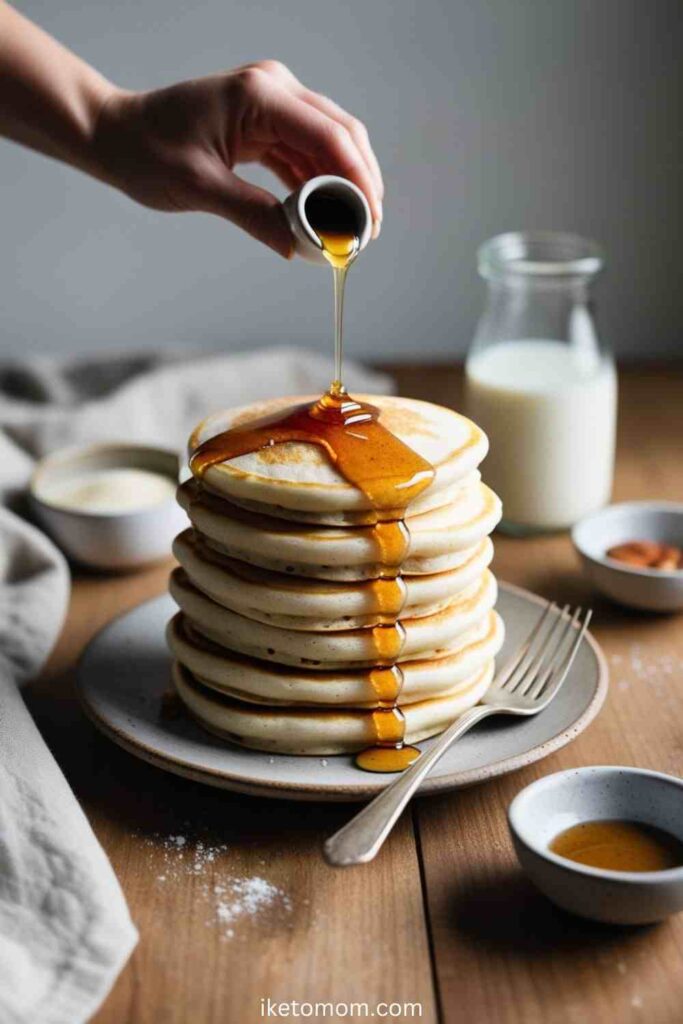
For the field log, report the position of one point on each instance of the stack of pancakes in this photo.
(274, 643)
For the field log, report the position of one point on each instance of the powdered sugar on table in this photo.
(229, 899)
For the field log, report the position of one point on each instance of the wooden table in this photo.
(444, 916)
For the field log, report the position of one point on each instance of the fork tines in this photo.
(540, 665)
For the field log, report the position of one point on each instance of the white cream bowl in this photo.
(557, 802)
(113, 540)
(650, 589)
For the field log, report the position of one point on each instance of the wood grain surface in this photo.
(443, 917)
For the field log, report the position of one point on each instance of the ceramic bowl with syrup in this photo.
(109, 506)
(551, 806)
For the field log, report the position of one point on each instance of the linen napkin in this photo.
(65, 931)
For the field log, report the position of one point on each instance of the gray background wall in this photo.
(487, 115)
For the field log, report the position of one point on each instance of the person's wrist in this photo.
(107, 105)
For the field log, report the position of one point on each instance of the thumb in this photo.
(255, 210)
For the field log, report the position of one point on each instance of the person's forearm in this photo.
(177, 148)
(49, 98)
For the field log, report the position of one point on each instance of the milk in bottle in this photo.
(541, 384)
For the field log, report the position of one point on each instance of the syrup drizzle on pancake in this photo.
(391, 475)
(387, 471)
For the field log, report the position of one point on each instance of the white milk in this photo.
(110, 490)
(550, 419)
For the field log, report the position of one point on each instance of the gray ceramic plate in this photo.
(125, 671)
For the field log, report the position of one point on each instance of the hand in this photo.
(176, 148)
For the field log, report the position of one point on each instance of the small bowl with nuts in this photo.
(633, 553)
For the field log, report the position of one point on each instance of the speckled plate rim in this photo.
(342, 792)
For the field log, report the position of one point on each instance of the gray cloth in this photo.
(65, 931)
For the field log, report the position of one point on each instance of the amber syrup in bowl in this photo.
(619, 845)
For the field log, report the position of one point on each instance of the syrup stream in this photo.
(389, 473)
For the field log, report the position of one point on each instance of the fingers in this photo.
(253, 209)
(283, 170)
(325, 142)
(299, 162)
(355, 128)
(359, 134)
(292, 168)
(327, 106)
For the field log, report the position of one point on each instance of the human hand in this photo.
(176, 148)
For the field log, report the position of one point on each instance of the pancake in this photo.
(297, 603)
(299, 476)
(424, 637)
(426, 502)
(315, 730)
(288, 610)
(437, 538)
(255, 681)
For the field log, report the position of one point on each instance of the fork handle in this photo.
(361, 838)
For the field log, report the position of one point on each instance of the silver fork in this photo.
(525, 684)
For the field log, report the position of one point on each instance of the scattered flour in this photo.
(226, 898)
(654, 670)
(246, 897)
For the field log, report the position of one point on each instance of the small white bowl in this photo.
(652, 589)
(307, 243)
(108, 540)
(557, 802)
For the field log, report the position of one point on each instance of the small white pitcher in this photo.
(308, 245)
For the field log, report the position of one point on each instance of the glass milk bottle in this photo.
(540, 382)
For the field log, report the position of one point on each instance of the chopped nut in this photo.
(647, 554)
(670, 555)
(667, 563)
